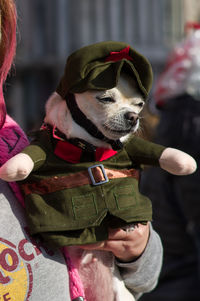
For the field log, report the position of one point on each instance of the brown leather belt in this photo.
(95, 175)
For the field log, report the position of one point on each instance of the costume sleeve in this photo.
(39, 148)
(141, 276)
(37, 154)
(143, 151)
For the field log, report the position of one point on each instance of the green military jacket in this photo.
(65, 211)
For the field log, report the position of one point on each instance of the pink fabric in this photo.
(76, 286)
(12, 141)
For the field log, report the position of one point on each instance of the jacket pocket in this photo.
(125, 197)
(84, 206)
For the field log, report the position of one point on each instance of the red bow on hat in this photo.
(117, 56)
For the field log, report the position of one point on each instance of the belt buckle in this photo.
(92, 177)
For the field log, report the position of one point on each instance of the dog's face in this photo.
(115, 112)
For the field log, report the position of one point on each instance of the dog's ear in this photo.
(56, 110)
(53, 101)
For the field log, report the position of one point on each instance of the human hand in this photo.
(125, 245)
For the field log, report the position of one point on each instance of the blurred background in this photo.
(49, 30)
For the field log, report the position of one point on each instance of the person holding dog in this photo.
(29, 269)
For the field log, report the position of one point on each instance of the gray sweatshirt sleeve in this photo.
(141, 276)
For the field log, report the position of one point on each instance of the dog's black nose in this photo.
(131, 117)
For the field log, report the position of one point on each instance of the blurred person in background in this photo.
(29, 270)
(176, 200)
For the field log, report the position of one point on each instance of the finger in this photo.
(120, 234)
(114, 235)
(117, 234)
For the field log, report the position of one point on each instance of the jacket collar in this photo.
(77, 150)
(75, 154)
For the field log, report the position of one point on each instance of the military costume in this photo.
(66, 206)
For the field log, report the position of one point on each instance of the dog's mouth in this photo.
(120, 125)
(114, 133)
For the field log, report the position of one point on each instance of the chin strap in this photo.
(80, 118)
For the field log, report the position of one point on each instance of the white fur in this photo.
(99, 275)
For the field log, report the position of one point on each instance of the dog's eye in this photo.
(105, 99)
(140, 104)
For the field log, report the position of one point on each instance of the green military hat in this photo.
(98, 67)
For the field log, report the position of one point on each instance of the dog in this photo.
(116, 113)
